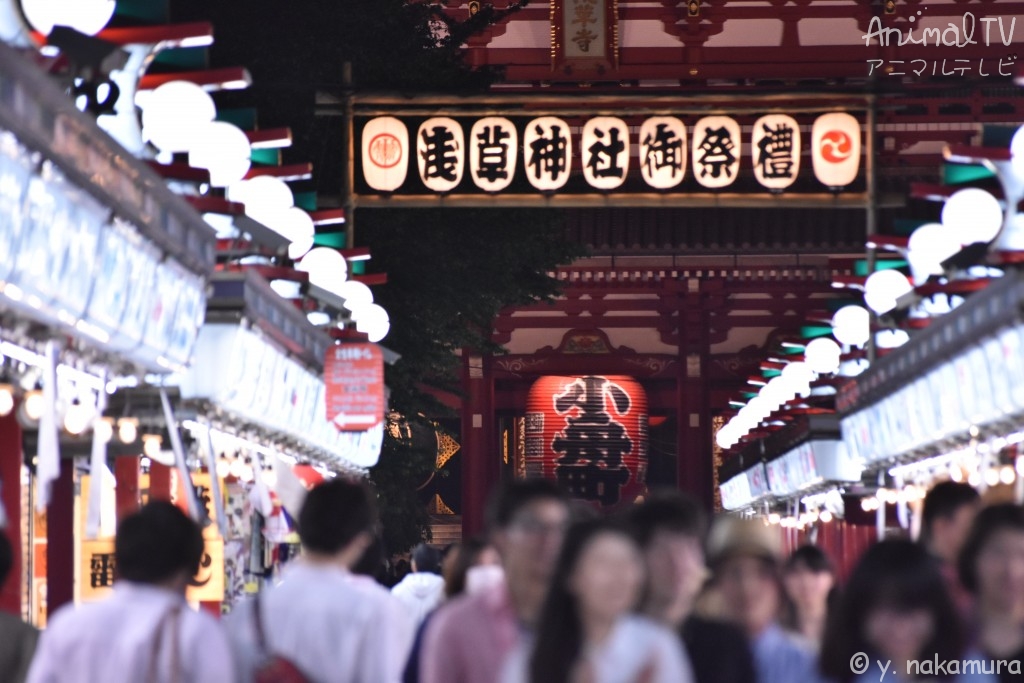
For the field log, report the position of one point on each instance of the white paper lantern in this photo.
(835, 149)
(372, 320)
(1017, 152)
(929, 246)
(775, 151)
(604, 150)
(973, 215)
(547, 153)
(355, 294)
(385, 156)
(440, 153)
(852, 325)
(326, 267)
(262, 195)
(662, 152)
(174, 113)
(801, 376)
(223, 149)
(823, 355)
(891, 339)
(883, 288)
(85, 16)
(716, 151)
(493, 152)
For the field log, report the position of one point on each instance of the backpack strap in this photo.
(257, 616)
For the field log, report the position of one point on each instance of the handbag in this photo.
(273, 668)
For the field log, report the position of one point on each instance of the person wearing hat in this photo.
(745, 556)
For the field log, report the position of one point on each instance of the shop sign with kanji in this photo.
(552, 154)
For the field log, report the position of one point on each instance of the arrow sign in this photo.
(354, 380)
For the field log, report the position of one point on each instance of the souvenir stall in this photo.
(947, 405)
(102, 281)
(251, 418)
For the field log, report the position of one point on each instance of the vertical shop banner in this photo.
(354, 381)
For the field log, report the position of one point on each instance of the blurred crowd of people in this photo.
(558, 594)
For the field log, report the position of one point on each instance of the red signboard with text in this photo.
(354, 379)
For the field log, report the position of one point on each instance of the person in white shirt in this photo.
(145, 632)
(333, 626)
(422, 590)
(586, 632)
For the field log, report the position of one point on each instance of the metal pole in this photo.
(348, 169)
(871, 220)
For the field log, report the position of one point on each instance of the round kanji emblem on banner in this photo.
(589, 434)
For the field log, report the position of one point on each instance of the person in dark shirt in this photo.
(671, 528)
(991, 567)
(946, 517)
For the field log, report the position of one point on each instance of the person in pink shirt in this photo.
(468, 639)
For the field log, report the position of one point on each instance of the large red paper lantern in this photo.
(590, 435)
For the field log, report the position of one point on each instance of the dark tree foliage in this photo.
(449, 271)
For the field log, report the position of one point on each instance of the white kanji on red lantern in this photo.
(604, 146)
(493, 150)
(716, 151)
(385, 153)
(835, 149)
(547, 152)
(440, 153)
(662, 156)
(775, 150)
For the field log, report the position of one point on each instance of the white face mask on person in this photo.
(483, 578)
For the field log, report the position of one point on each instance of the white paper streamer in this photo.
(48, 455)
(97, 466)
(289, 488)
(260, 494)
(211, 465)
(197, 512)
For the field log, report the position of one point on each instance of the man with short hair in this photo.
(17, 639)
(468, 639)
(330, 625)
(671, 528)
(946, 517)
(145, 631)
(422, 590)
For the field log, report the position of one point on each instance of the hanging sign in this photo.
(604, 145)
(835, 149)
(547, 150)
(385, 153)
(716, 151)
(493, 150)
(440, 153)
(590, 434)
(354, 379)
(662, 155)
(775, 147)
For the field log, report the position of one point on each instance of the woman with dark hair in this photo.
(895, 621)
(587, 632)
(461, 569)
(991, 567)
(809, 580)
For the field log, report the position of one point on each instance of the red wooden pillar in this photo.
(11, 458)
(481, 468)
(60, 540)
(159, 482)
(693, 470)
(126, 472)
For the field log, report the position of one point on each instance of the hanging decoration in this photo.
(440, 153)
(590, 434)
(835, 149)
(604, 146)
(493, 150)
(547, 151)
(775, 148)
(385, 153)
(662, 155)
(716, 151)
